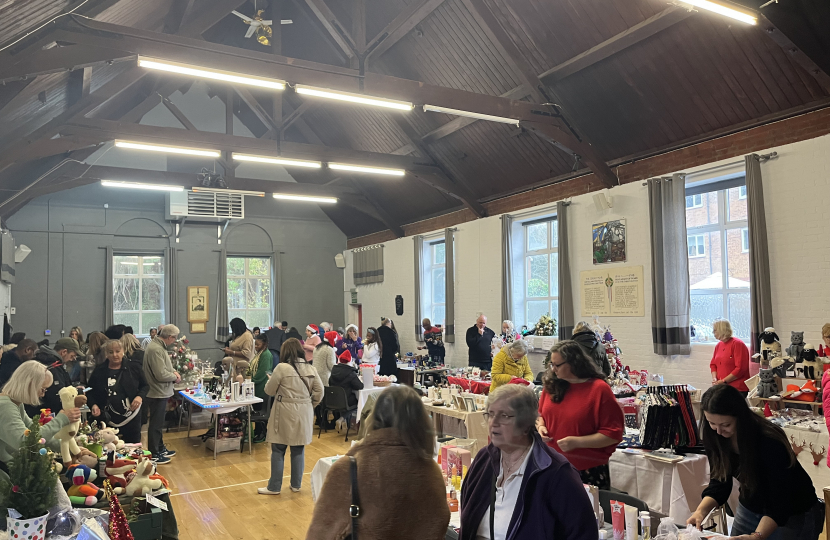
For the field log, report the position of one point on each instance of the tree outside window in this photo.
(249, 290)
(541, 270)
(138, 291)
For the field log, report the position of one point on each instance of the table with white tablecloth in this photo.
(460, 424)
(363, 396)
(318, 474)
(673, 489)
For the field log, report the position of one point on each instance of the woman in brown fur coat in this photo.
(402, 493)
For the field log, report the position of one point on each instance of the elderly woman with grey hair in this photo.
(510, 362)
(517, 486)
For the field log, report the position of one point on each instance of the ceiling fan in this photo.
(258, 26)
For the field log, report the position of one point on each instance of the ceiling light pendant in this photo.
(353, 98)
(140, 185)
(478, 116)
(369, 170)
(306, 198)
(225, 191)
(724, 10)
(208, 73)
(278, 161)
(168, 149)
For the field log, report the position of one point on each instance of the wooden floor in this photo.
(218, 499)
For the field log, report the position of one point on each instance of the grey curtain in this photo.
(449, 276)
(760, 295)
(506, 268)
(368, 265)
(109, 293)
(277, 306)
(419, 275)
(670, 305)
(566, 297)
(222, 331)
(172, 295)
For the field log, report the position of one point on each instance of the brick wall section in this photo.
(791, 130)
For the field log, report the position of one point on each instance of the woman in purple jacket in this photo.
(538, 494)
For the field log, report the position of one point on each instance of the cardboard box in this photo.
(445, 457)
(460, 458)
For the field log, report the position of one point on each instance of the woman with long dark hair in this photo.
(240, 352)
(777, 498)
(372, 347)
(579, 416)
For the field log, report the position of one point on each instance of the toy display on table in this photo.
(789, 362)
(769, 348)
(117, 470)
(141, 482)
(811, 366)
(109, 439)
(767, 386)
(69, 447)
(81, 489)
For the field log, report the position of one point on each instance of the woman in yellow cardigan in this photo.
(511, 361)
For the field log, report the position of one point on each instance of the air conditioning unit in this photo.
(213, 206)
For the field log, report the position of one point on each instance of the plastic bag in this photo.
(689, 533)
(667, 530)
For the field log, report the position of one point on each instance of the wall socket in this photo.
(13, 311)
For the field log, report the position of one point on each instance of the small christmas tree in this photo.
(546, 325)
(182, 362)
(30, 488)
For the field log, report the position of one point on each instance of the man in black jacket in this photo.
(595, 350)
(12, 359)
(479, 339)
(276, 337)
(66, 350)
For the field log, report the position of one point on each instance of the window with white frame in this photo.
(138, 291)
(694, 201)
(433, 281)
(742, 192)
(541, 269)
(249, 290)
(718, 247)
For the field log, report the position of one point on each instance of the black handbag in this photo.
(354, 509)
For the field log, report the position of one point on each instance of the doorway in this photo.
(356, 317)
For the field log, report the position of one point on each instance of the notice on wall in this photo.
(612, 292)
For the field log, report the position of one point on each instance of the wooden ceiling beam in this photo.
(78, 85)
(57, 60)
(251, 101)
(180, 116)
(55, 146)
(336, 30)
(400, 26)
(618, 43)
(795, 52)
(385, 217)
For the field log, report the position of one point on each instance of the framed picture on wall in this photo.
(197, 304)
(198, 328)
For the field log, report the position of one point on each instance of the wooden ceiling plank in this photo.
(294, 116)
(251, 101)
(401, 25)
(13, 93)
(180, 116)
(794, 52)
(387, 219)
(137, 112)
(78, 85)
(336, 30)
(176, 15)
(57, 60)
(209, 13)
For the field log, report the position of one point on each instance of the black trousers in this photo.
(157, 407)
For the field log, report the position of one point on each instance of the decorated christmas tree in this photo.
(30, 488)
(182, 362)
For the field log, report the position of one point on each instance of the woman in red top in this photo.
(578, 414)
(730, 363)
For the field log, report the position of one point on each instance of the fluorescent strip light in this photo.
(168, 149)
(469, 114)
(198, 189)
(370, 170)
(305, 198)
(723, 10)
(207, 73)
(139, 185)
(278, 161)
(353, 98)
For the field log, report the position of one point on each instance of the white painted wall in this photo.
(795, 194)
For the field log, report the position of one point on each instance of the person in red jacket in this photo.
(579, 416)
(730, 363)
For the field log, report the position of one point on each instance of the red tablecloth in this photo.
(476, 387)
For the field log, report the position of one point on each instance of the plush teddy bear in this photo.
(69, 447)
(109, 439)
(141, 483)
(117, 470)
(83, 492)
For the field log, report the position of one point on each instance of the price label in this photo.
(155, 502)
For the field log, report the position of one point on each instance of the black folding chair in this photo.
(605, 498)
(258, 416)
(334, 400)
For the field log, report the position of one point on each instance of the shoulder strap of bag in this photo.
(354, 509)
(307, 387)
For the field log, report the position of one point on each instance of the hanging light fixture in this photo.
(368, 170)
(168, 149)
(307, 198)
(360, 99)
(209, 73)
(724, 9)
(278, 161)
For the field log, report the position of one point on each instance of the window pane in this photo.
(125, 295)
(739, 313)
(737, 259)
(439, 254)
(439, 285)
(127, 319)
(554, 233)
(259, 293)
(258, 267)
(537, 236)
(535, 309)
(153, 265)
(236, 294)
(706, 308)
(706, 272)
(236, 266)
(538, 276)
(554, 274)
(554, 311)
(736, 205)
(259, 318)
(152, 293)
(439, 313)
(237, 314)
(125, 265)
(150, 320)
(706, 213)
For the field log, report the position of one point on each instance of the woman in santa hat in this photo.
(345, 376)
(324, 357)
(311, 342)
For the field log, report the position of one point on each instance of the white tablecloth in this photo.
(363, 395)
(673, 489)
(318, 474)
(819, 474)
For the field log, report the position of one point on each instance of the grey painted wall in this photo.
(61, 283)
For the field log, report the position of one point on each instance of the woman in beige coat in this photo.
(240, 352)
(297, 389)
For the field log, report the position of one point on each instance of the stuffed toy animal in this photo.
(796, 346)
(769, 347)
(69, 447)
(767, 386)
(109, 439)
(140, 483)
(117, 470)
(82, 491)
(811, 365)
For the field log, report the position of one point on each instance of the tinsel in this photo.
(119, 528)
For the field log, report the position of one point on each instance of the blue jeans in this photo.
(278, 466)
(806, 526)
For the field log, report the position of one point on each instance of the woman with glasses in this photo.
(578, 414)
(517, 486)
